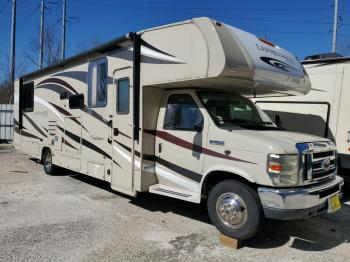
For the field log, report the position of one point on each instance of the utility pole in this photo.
(42, 17)
(335, 27)
(13, 44)
(64, 20)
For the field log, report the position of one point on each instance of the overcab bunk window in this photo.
(97, 82)
(28, 97)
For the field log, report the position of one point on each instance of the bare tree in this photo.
(6, 88)
(51, 52)
(85, 45)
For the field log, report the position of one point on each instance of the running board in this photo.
(174, 193)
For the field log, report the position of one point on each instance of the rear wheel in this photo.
(235, 209)
(49, 168)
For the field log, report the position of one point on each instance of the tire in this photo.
(228, 195)
(49, 168)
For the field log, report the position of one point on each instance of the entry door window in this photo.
(123, 96)
(98, 83)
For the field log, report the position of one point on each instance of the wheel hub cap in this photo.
(231, 210)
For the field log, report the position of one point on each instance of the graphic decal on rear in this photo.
(278, 64)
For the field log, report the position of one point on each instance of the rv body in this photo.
(324, 111)
(153, 112)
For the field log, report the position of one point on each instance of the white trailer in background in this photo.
(325, 110)
(163, 111)
(6, 123)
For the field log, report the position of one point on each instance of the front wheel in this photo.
(235, 209)
(49, 168)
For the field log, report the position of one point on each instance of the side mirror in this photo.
(76, 101)
(198, 126)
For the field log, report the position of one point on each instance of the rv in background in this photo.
(325, 110)
(163, 111)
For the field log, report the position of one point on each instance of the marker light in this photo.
(266, 42)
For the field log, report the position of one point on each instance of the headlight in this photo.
(283, 169)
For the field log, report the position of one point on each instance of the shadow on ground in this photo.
(151, 202)
(316, 234)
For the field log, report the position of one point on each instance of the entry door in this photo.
(122, 131)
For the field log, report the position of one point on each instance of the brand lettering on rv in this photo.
(278, 64)
(274, 53)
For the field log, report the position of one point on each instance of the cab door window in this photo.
(182, 113)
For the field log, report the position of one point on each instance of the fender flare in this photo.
(228, 169)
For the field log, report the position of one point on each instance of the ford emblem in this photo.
(326, 164)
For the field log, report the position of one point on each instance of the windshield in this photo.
(228, 110)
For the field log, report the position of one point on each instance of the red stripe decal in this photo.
(185, 144)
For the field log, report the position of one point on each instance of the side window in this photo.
(28, 97)
(123, 96)
(182, 113)
(76, 101)
(97, 95)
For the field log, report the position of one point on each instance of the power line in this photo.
(272, 20)
(24, 21)
(42, 25)
(13, 45)
(64, 23)
(5, 8)
(28, 17)
(204, 8)
(167, 10)
(297, 32)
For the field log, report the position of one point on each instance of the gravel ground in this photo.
(72, 217)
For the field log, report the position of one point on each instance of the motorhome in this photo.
(165, 111)
(324, 111)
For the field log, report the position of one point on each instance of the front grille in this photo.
(321, 170)
(320, 163)
(323, 154)
(323, 174)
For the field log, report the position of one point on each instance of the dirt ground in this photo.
(72, 217)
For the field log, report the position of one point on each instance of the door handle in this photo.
(160, 148)
(115, 131)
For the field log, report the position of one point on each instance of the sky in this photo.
(302, 27)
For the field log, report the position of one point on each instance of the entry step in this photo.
(173, 192)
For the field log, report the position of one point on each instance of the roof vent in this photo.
(323, 56)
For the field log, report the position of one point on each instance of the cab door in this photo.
(122, 132)
(181, 137)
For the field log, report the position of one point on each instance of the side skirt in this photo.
(175, 193)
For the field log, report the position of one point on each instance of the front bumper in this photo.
(299, 202)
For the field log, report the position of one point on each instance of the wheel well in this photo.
(215, 177)
(43, 152)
